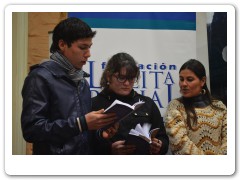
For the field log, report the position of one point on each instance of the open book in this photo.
(122, 109)
(141, 138)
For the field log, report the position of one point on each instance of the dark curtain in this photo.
(217, 45)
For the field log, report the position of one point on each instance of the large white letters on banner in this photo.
(159, 42)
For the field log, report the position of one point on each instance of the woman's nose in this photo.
(127, 82)
(183, 83)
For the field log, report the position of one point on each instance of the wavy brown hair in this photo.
(116, 63)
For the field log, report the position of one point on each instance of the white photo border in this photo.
(121, 165)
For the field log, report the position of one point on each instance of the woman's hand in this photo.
(119, 148)
(155, 146)
(110, 132)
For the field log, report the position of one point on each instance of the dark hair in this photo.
(199, 70)
(70, 30)
(114, 65)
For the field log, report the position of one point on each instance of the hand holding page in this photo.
(141, 138)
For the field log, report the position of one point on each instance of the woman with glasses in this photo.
(117, 81)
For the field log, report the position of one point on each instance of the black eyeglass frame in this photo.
(123, 79)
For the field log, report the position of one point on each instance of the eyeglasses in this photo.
(123, 79)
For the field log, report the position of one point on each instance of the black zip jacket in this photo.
(148, 113)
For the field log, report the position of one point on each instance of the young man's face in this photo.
(78, 53)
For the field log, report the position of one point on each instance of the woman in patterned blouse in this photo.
(196, 123)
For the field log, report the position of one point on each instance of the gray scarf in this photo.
(75, 74)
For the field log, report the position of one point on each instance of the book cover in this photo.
(141, 138)
(122, 109)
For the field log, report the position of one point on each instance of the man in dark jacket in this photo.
(56, 115)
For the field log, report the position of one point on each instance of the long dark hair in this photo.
(198, 69)
(70, 30)
(114, 65)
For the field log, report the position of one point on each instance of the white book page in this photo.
(141, 130)
(146, 128)
(118, 102)
(138, 104)
(134, 132)
(145, 138)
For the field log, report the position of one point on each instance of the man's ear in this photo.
(61, 44)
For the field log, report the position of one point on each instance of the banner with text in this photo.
(159, 41)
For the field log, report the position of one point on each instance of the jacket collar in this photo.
(55, 69)
(198, 101)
